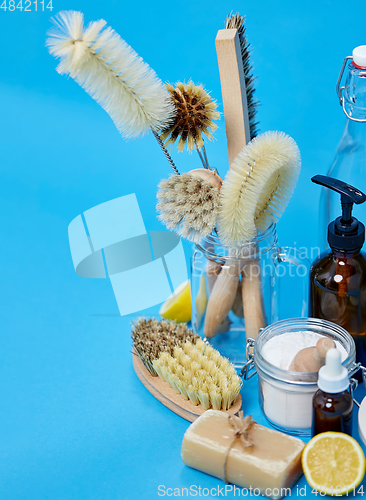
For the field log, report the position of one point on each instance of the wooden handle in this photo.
(238, 303)
(207, 176)
(221, 298)
(212, 271)
(311, 359)
(234, 96)
(253, 302)
(175, 402)
(323, 345)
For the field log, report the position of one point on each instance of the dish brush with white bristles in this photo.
(200, 374)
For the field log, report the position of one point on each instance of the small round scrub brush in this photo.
(195, 112)
(188, 205)
(113, 74)
(258, 187)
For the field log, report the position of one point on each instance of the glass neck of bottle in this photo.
(341, 254)
(356, 130)
(355, 98)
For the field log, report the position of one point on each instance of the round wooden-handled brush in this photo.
(188, 204)
(113, 74)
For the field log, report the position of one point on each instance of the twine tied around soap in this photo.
(241, 428)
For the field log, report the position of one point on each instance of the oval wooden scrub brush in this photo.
(184, 373)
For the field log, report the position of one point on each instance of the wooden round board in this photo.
(166, 395)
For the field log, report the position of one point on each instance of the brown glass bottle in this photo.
(338, 294)
(332, 412)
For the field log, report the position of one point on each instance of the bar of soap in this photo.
(271, 465)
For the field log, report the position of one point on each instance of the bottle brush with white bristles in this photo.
(113, 74)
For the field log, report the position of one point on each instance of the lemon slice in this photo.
(333, 463)
(178, 306)
(201, 299)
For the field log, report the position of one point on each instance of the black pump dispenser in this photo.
(346, 233)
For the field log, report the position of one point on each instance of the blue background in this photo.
(75, 422)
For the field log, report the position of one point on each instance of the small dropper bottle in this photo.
(332, 403)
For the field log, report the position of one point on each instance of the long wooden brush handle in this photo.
(212, 271)
(221, 298)
(253, 303)
(237, 308)
(234, 96)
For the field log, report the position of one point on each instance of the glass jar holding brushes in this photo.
(235, 290)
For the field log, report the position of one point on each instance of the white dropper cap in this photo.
(333, 377)
(359, 56)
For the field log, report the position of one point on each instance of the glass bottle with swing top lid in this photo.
(349, 163)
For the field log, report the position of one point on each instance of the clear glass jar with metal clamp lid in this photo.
(285, 396)
(349, 163)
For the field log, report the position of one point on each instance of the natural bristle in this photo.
(237, 21)
(188, 205)
(258, 187)
(151, 338)
(111, 72)
(195, 112)
(201, 375)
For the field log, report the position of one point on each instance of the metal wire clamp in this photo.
(340, 92)
(353, 384)
(248, 371)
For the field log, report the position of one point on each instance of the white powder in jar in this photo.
(289, 405)
(281, 349)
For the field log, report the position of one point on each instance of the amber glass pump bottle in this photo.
(338, 277)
